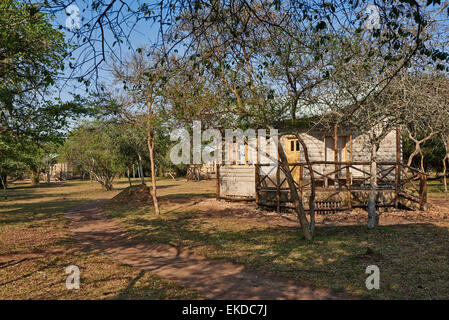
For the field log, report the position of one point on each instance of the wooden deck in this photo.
(344, 187)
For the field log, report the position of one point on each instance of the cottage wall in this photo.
(237, 181)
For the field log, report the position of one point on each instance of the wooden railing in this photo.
(406, 182)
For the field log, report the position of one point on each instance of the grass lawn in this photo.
(35, 249)
(436, 188)
(413, 258)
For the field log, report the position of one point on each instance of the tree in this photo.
(424, 98)
(10, 160)
(31, 54)
(132, 146)
(110, 26)
(34, 133)
(93, 146)
(144, 77)
(445, 139)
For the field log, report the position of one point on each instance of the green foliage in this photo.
(93, 147)
(31, 56)
(34, 134)
(433, 151)
(31, 51)
(10, 158)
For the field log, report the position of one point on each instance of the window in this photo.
(294, 144)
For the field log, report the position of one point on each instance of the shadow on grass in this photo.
(436, 188)
(187, 195)
(43, 203)
(36, 212)
(413, 258)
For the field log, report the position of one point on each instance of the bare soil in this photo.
(93, 231)
(438, 214)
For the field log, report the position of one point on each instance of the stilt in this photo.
(397, 178)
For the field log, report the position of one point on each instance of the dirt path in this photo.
(93, 231)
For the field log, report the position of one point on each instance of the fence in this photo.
(407, 185)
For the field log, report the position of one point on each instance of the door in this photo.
(293, 155)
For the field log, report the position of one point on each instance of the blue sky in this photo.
(145, 33)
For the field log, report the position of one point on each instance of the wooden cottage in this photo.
(340, 161)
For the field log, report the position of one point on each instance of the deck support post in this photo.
(348, 186)
(257, 173)
(278, 190)
(301, 177)
(348, 174)
(397, 176)
(217, 171)
(336, 154)
(278, 182)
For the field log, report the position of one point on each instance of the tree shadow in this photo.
(410, 256)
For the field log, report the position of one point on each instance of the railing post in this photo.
(257, 182)
(218, 181)
(336, 155)
(348, 186)
(278, 190)
(278, 183)
(397, 176)
(257, 173)
(425, 189)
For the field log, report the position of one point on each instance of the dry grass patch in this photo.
(43, 277)
(35, 249)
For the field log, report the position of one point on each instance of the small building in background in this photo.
(61, 171)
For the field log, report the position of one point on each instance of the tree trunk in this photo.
(3, 179)
(142, 177)
(134, 172)
(129, 179)
(35, 177)
(312, 186)
(150, 143)
(418, 148)
(153, 173)
(372, 215)
(299, 208)
(108, 184)
(422, 160)
(413, 154)
(446, 158)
